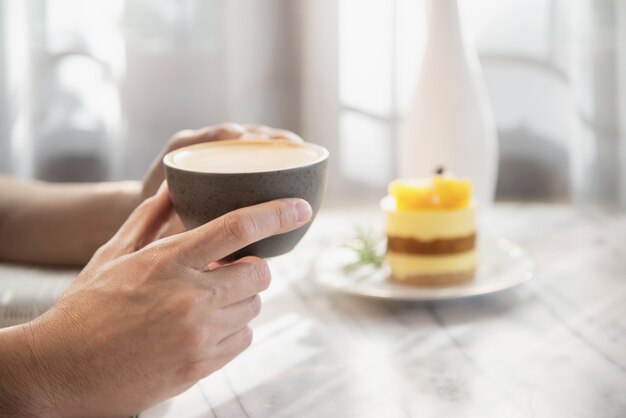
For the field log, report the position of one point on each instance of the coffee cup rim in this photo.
(168, 159)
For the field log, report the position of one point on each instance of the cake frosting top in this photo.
(441, 192)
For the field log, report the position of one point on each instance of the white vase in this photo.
(450, 122)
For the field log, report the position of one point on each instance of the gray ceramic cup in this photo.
(199, 197)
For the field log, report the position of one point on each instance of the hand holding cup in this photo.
(146, 319)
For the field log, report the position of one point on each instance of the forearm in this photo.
(60, 223)
(20, 393)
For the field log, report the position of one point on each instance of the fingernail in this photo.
(304, 211)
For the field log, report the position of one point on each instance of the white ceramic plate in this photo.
(501, 265)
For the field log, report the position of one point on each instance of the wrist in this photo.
(22, 390)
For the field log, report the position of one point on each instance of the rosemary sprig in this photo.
(366, 246)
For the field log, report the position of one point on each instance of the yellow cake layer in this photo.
(405, 265)
(429, 224)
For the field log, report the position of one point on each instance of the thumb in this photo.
(142, 226)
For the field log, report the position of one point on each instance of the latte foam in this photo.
(243, 156)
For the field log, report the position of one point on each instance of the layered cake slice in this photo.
(431, 231)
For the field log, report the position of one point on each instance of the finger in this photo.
(142, 226)
(211, 133)
(173, 226)
(281, 134)
(255, 135)
(235, 230)
(225, 131)
(267, 132)
(237, 281)
(236, 316)
(254, 131)
(258, 128)
(236, 342)
(225, 351)
(215, 265)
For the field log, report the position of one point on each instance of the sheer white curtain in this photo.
(555, 70)
(91, 90)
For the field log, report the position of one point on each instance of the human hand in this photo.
(147, 319)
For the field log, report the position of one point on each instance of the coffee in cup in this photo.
(211, 179)
(244, 156)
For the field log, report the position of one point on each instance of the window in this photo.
(379, 45)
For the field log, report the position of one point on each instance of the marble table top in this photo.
(553, 347)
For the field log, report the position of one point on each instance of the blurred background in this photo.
(91, 90)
